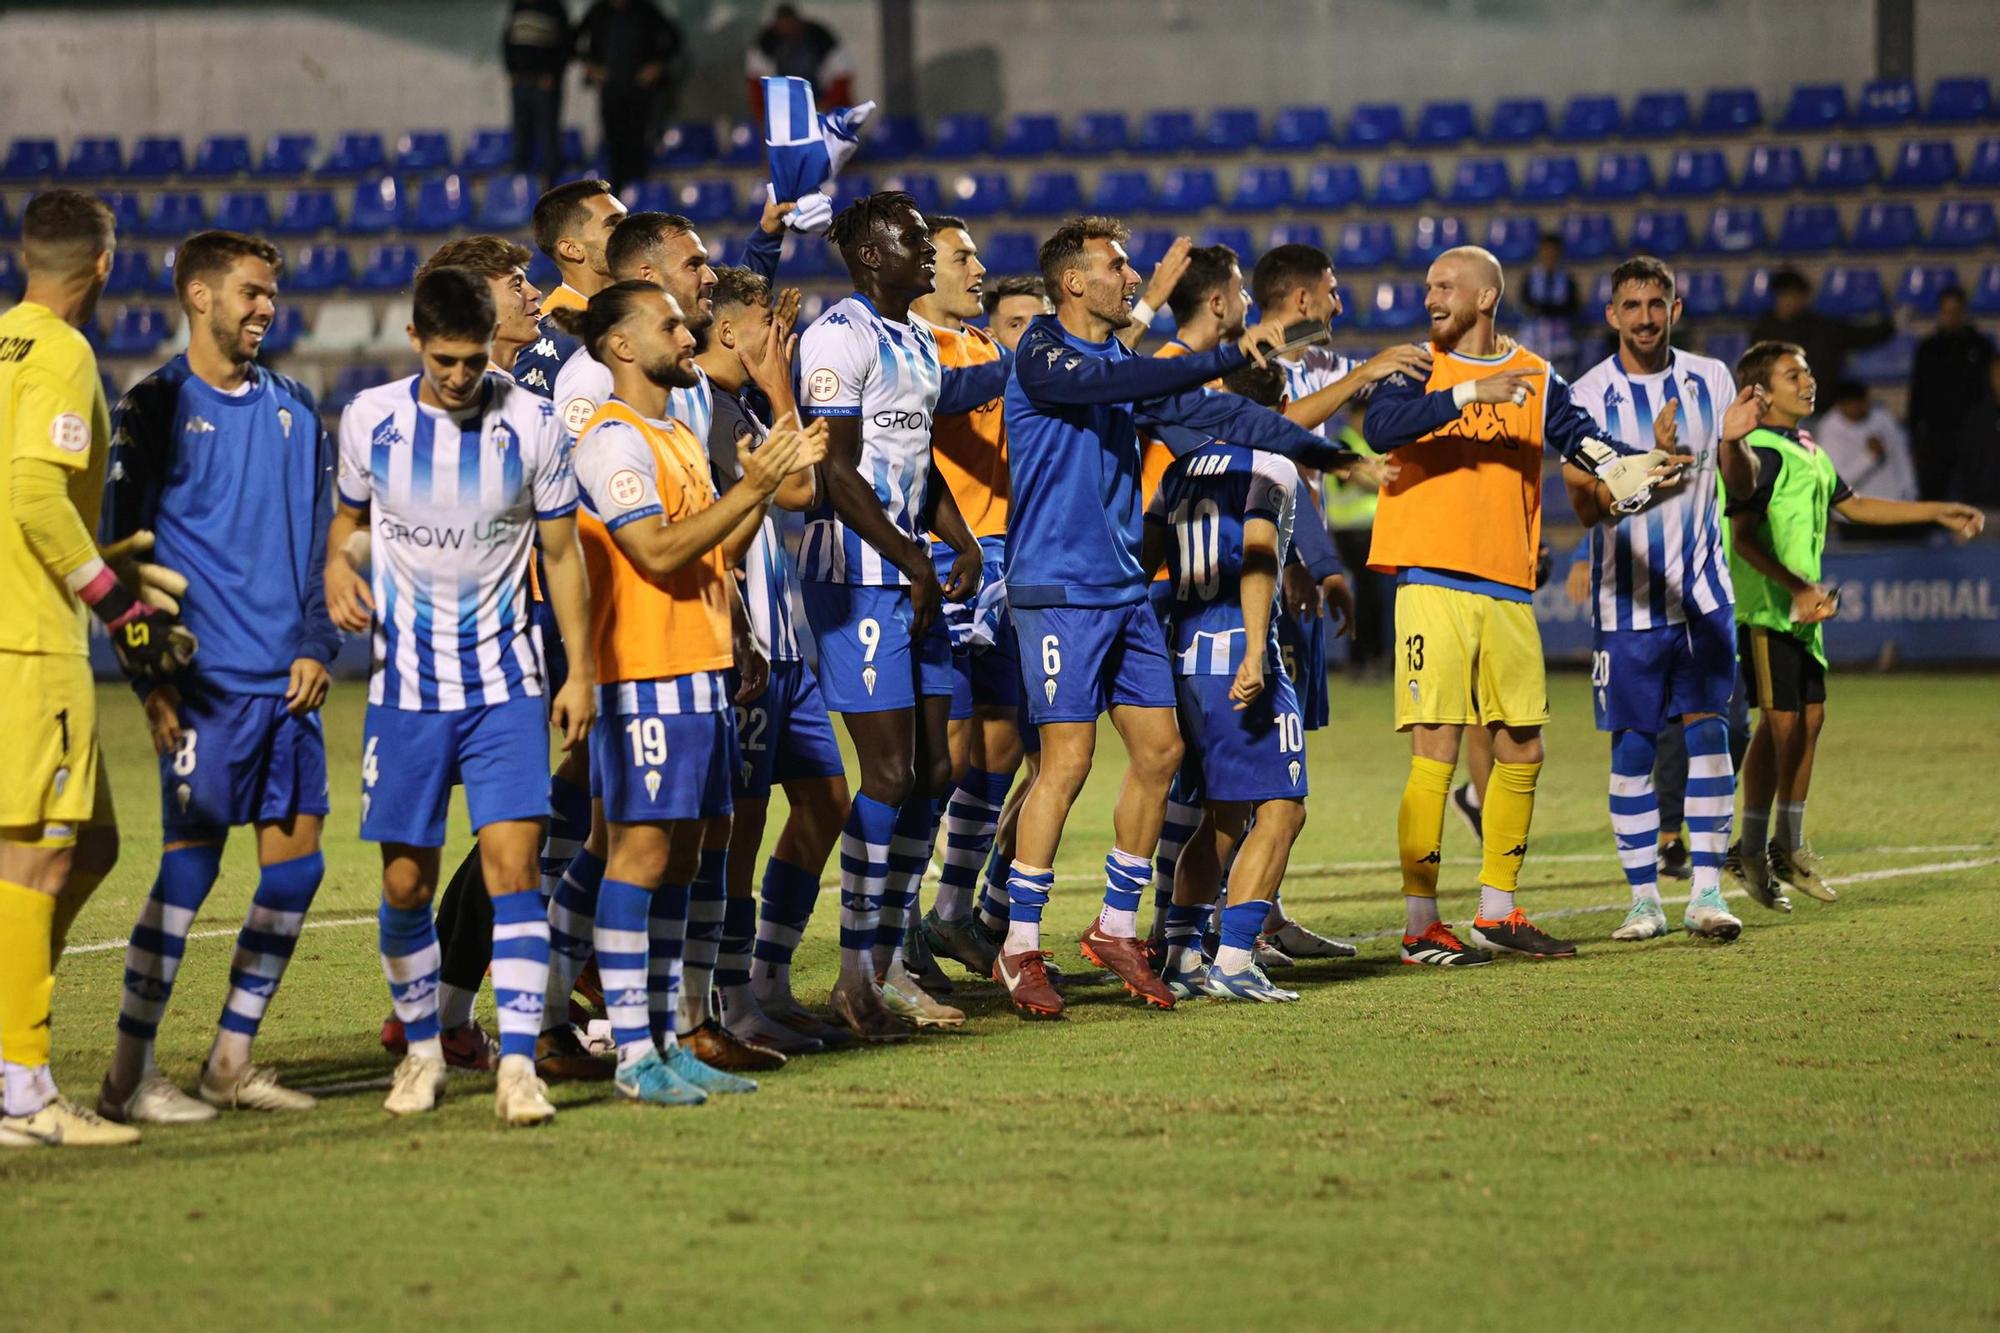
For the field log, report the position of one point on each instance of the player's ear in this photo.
(416, 343)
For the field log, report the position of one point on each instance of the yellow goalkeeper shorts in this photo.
(1466, 659)
(54, 781)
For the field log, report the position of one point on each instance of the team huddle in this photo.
(643, 512)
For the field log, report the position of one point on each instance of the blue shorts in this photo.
(1641, 678)
(784, 734)
(242, 759)
(1303, 646)
(1160, 596)
(657, 768)
(1077, 661)
(987, 677)
(867, 661)
(410, 761)
(1255, 755)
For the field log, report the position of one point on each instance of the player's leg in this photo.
(635, 863)
(1793, 861)
(1772, 689)
(407, 938)
(1670, 781)
(560, 1054)
(1703, 683)
(910, 852)
(1468, 796)
(702, 1029)
(1153, 751)
(971, 829)
(1260, 856)
(1433, 691)
(689, 839)
(509, 854)
(1197, 887)
(1635, 825)
(708, 904)
(94, 857)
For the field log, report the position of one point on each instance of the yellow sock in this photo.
(1510, 807)
(1420, 825)
(26, 981)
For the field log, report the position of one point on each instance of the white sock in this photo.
(1023, 937)
(1229, 958)
(1419, 914)
(231, 1051)
(1118, 924)
(1788, 830)
(27, 1088)
(1471, 791)
(1493, 904)
(431, 1048)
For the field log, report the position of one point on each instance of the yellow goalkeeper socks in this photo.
(1509, 809)
(26, 980)
(1420, 835)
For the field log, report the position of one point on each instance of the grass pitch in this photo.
(1795, 1129)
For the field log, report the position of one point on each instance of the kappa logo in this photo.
(200, 426)
(823, 385)
(285, 421)
(535, 379)
(1434, 859)
(522, 1002)
(1518, 849)
(546, 347)
(868, 680)
(627, 487)
(1612, 398)
(70, 433)
(263, 987)
(420, 989)
(838, 318)
(626, 999)
(385, 435)
(1053, 355)
(652, 784)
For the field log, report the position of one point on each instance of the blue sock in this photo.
(624, 948)
(786, 907)
(993, 894)
(1182, 820)
(909, 852)
(569, 825)
(1711, 798)
(270, 932)
(707, 901)
(1635, 813)
(739, 927)
(1125, 878)
(159, 937)
(1240, 924)
(864, 866)
(971, 818)
(1027, 894)
(520, 969)
(571, 911)
(409, 946)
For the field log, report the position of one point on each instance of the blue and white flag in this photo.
(806, 149)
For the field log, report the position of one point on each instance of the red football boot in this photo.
(1126, 959)
(1026, 978)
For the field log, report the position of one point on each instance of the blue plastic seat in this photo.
(221, 157)
(1518, 120)
(1331, 185)
(715, 201)
(12, 282)
(175, 213)
(1298, 129)
(688, 144)
(156, 157)
(287, 323)
(1772, 169)
(138, 331)
(810, 257)
(1589, 118)
(1809, 229)
(569, 145)
(1365, 245)
(423, 150)
(1051, 194)
(1920, 284)
(1703, 293)
(1963, 224)
(1847, 167)
(1099, 133)
(1886, 102)
(490, 149)
(1445, 124)
(1984, 169)
(1402, 184)
(1165, 132)
(1394, 305)
(1924, 164)
(1236, 238)
(287, 155)
(1588, 236)
(1431, 237)
(1551, 179)
(1479, 180)
(893, 138)
(1660, 115)
(1374, 125)
(95, 158)
(1298, 233)
(921, 186)
(1985, 296)
(1231, 129)
(1122, 192)
(244, 210)
(1696, 173)
(9, 228)
(962, 136)
(543, 273)
(1851, 293)
(508, 204)
(1148, 246)
(981, 194)
(127, 213)
(1187, 190)
(1621, 175)
(1815, 106)
(1885, 362)
(351, 382)
(444, 203)
(355, 153)
(1959, 101)
(725, 250)
(1262, 189)
(1030, 136)
(1886, 226)
(378, 206)
(1754, 298)
(29, 159)
(1735, 230)
(1513, 239)
(131, 273)
(848, 188)
(1662, 232)
(1730, 111)
(1600, 291)
(1725, 345)
(1009, 253)
(389, 268)
(306, 212)
(743, 146)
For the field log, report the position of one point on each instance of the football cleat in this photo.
(1187, 974)
(251, 1088)
(417, 1087)
(1300, 943)
(1438, 947)
(560, 1057)
(1026, 978)
(961, 940)
(1249, 984)
(1646, 921)
(1751, 873)
(719, 1048)
(791, 1014)
(393, 1040)
(1461, 801)
(906, 999)
(1266, 953)
(1673, 859)
(648, 1080)
(1514, 933)
(1798, 868)
(923, 965)
(156, 1101)
(746, 1020)
(520, 1098)
(468, 1046)
(857, 1003)
(588, 994)
(64, 1124)
(706, 1077)
(1708, 918)
(1125, 958)
(1157, 951)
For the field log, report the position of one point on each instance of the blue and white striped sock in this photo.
(666, 928)
(1125, 876)
(263, 948)
(1711, 798)
(520, 969)
(909, 853)
(707, 903)
(732, 961)
(1182, 820)
(1028, 892)
(569, 825)
(785, 909)
(971, 818)
(159, 936)
(1240, 924)
(864, 866)
(1635, 813)
(571, 911)
(624, 950)
(1181, 930)
(993, 893)
(410, 961)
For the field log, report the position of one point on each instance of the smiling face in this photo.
(1793, 389)
(605, 214)
(683, 269)
(1107, 280)
(958, 285)
(1644, 314)
(241, 305)
(1456, 294)
(905, 257)
(517, 302)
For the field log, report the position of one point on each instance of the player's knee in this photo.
(888, 782)
(682, 861)
(1157, 764)
(404, 889)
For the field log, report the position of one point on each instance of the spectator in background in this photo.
(536, 48)
(800, 48)
(627, 47)
(1979, 445)
(1870, 452)
(1947, 380)
(1549, 302)
(1826, 340)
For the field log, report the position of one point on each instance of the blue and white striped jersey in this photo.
(1204, 500)
(853, 362)
(1652, 568)
(768, 576)
(452, 504)
(1313, 369)
(584, 385)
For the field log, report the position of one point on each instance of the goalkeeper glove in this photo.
(155, 585)
(1629, 477)
(151, 643)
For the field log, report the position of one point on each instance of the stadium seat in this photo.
(126, 212)
(1334, 185)
(1298, 233)
(1621, 176)
(1730, 111)
(1885, 226)
(1395, 305)
(743, 146)
(1851, 293)
(1009, 253)
(1402, 184)
(1187, 190)
(9, 228)
(131, 273)
(287, 324)
(1589, 118)
(1847, 168)
(1885, 362)
(1444, 124)
(355, 153)
(1662, 232)
(1735, 230)
(1051, 194)
(156, 157)
(1695, 173)
(981, 194)
(378, 206)
(1963, 224)
(1600, 291)
(1886, 102)
(921, 186)
(962, 136)
(1587, 236)
(320, 268)
(1122, 192)
(1262, 190)
(175, 213)
(508, 204)
(287, 155)
(221, 157)
(1518, 120)
(1373, 125)
(1513, 239)
(1431, 237)
(1479, 180)
(543, 273)
(1660, 115)
(1809, 229)
(306, 212)
(1098, 133)
(1984, 168)
(1298, 129)
(1703, 293)
(1030, 136)
(806, 257)
(244, 210)
(1551, 180)
(95, 159)
(1985, 296)
(713, 201)
(1231, 129)
(352, 381)
(1148, 246)
(1165, 132)
(443, 204)
(688, 144)
(1772, 169)
(1725, 345)
(1920, 284)
(389, 268)
(1365, 245)
(893, 138)
(11, 282)
(137, 331)
(29, 159)
(847, 187)
(725, 249)
(488, 150)
(1236, 238)
(1960, 101)
(1815, 106)
(1755, 297)
(392, 329)
(1924, 164)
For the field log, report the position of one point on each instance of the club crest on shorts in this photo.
(743, 773)
(366, 801)
(868, 680)
(182, 795)
(1414, 697)
(1293, 769)
(285, 421)
(1049, 690)
(60, 782)
(652, 784)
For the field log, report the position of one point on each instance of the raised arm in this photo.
(1054, 373)
(1232, 417)
(1315, 408)
(968, 387)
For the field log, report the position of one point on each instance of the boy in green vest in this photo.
(1779, 535)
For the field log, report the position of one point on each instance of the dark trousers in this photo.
(1374, 601)
(628, 134)
(538, 129)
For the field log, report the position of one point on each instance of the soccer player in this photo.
(58, 833)
(1460, 526)
(1660, 598)
(1077, 591)
(229, 466)
(1778, 538)
(667, 625)
(457, 474)
(573, 222)
(1011, 305)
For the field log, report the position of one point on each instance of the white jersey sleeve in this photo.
(614, 468)
(582, 386)
(555, 478)
(356, 474)
(837, 358)
(1274, 481)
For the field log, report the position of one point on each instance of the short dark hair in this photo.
(453, 303)
(1284, 267)
(1643, 269)
(1790, 280)
(561, 211)
(1848, 390)
(735, 285)
(1754, 366)
(64, 231)
(940, 221)
(1063, 250)
(610, 308)
(207, 255)
(488, 256)
(1026, 285)
(1263, 385)
(638, 235)
(854, 225)
(1208, 270)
